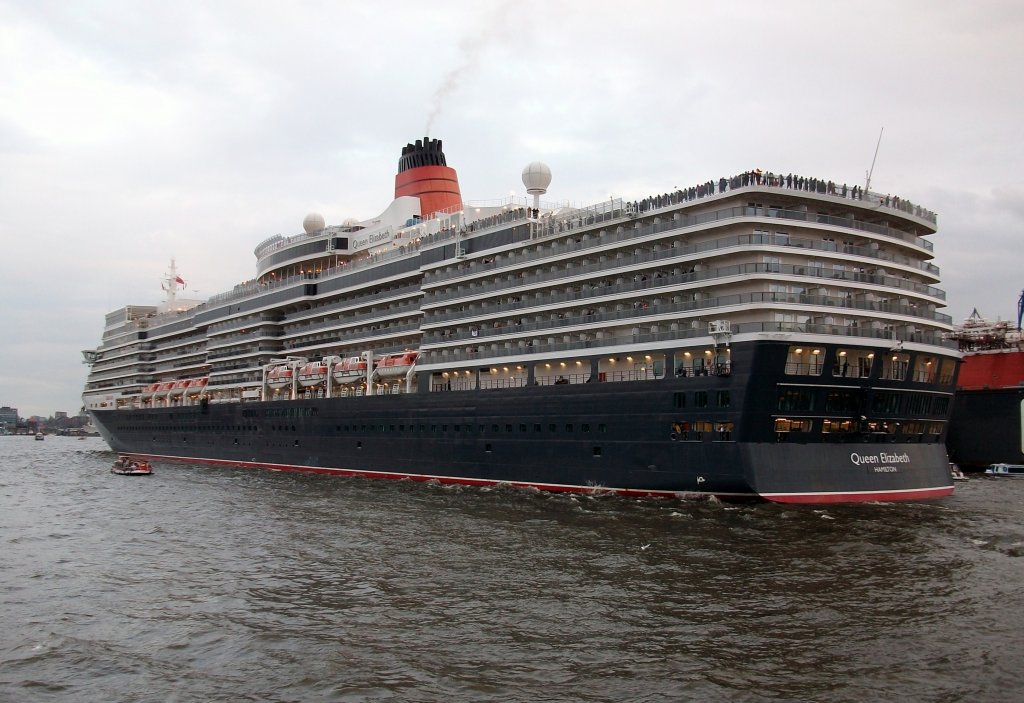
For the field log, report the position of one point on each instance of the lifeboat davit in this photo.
(394, 365)
(312, 374)
(149, 390)
(279, 377)
(350, 370)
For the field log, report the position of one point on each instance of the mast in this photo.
(170, 282)
(867, 184)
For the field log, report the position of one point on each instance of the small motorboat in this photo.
(39, 436)
(1006, 470)
(127, 466)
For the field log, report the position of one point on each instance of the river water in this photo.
(214, 584)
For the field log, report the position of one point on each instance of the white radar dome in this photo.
(313, 223)
(537, 178)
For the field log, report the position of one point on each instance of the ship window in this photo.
(494, 428)
(444, 428)
(602, 427)
(926, 369)
(522, 428)
(700, 399)
(946, 374)
(537, 427)
(552, 427)
(487, 447)
(896, 366)
(597, 451)
(783, 424)
(700, 428)
(723, 399)
(804, 360)
(508, 427)
(888, 403)
(837, 426)
(918, 404)
(359, 445)
(585, 427)
(841, 402)
(678, 400)
(724, 430)
(795, 400)
(940, 406)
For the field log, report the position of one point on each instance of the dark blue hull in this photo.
(623, 437)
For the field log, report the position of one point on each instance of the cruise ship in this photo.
(759, 336)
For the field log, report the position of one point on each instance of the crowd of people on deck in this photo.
(789, 181)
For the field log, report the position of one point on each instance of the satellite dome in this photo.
(537, 178)
(313, 223)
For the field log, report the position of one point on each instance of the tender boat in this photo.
(39, 436)
(350, 370)
(1006, 470)
(279, 377)
(127, 466)
(394, 365)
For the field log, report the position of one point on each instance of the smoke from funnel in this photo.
(469, 49)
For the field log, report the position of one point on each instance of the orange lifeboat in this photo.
(197, 385)
(312, 374)
(279, 377)
(350, 370)
(394, 365)
(149, 390)
(178, 387)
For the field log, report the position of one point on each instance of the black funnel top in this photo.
(425, 152)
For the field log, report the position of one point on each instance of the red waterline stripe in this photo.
(478, 482)
(860, 496)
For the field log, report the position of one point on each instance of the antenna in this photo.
(867, 184)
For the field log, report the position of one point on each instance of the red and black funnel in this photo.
(423, 173)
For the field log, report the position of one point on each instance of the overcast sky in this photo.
(132, 132)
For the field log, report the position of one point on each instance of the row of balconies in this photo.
(664, 284)
(634, 336)
(617, 312)
(571, 271)
(569, 242)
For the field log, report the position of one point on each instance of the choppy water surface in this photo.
(202, 584)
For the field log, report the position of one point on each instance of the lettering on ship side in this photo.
(881, 463)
